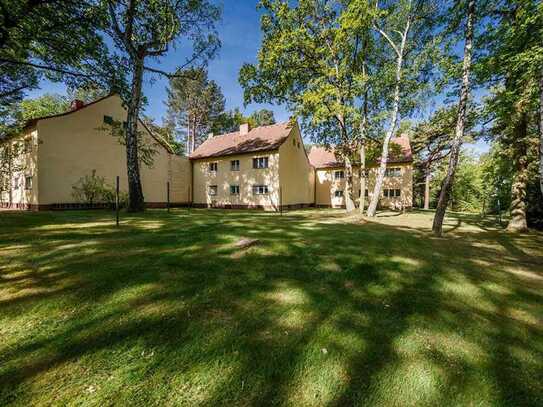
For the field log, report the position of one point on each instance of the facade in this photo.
(266, 167)
(59, 150)
(397, 191)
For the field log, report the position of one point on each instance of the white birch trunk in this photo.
(444, 195)
(372, 208)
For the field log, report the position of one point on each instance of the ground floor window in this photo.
(28, 183)
(212, 190)
(338, 193)
(391, 193)
(260, 189)
(234, 189)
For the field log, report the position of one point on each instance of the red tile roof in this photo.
(264, 138)
(320, 157)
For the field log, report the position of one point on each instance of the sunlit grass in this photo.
(325, 309)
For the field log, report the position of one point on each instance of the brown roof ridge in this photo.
(261, 138)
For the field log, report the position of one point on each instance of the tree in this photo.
(437, 226)
(407, 28)
(513, 66)
(145, 29)
(194, 104)
(309, 60)
(54, 39)
(431, 141)
(15, 115)
(262, 117)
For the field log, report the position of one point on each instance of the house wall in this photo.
(326, 185)
(78, 144)
(246, 177)
(16, 195)
(297, 176)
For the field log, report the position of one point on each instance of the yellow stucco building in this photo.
(57, 151)
(266, 167)
(397, 189)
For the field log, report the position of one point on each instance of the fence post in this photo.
(117, 200)
(168, 196)
(280, 200)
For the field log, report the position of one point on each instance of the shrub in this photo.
(93, 189)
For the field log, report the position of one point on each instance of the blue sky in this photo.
(239, 31)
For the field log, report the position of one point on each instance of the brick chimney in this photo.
(244, 129)
(76, 104)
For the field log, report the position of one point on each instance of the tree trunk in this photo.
(444, 195)
(362, 200)
(427, 189)
(136, 201)
(541, 132)
(520, 180)
(372, 208)
(349, 202)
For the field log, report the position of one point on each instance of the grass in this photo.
(326, 310)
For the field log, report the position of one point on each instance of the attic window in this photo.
(108, 120)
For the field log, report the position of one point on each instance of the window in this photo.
(260, 189)
(260, 162)
(28, 145)
(212, 190)
(294, 142)
(28, 183)
(213, 167)
(234, 189)
(393, 172)
(108, 120)
(16, 182)
(298, 144)
(234, 165)
(366, 193)
(391, 193)
(338, 194)
(339, 175)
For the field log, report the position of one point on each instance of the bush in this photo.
(92, 189)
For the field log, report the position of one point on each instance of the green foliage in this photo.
(93, 189)
(195, 104)
(58, 40)
(262, 117)
(14, 116)
(469, 193)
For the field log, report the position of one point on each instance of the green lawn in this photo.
(326, 310)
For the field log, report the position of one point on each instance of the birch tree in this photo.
(437, 226)
(145, 30)
(406, 28)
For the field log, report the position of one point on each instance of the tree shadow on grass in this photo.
(319, 313)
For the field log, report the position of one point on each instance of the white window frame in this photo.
(213, 166)
(340, 195)
(28, 185)
(212, 190)
(260, 163)
(260, 190)
(234, 165)
(235, 190)
(339, 174)
(393, 172)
